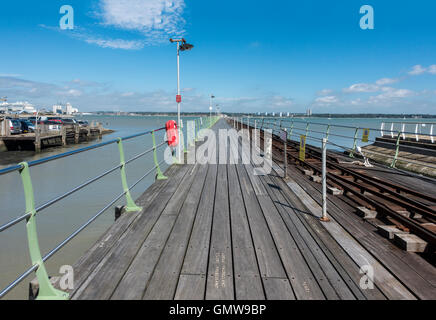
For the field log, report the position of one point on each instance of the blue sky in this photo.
(252, 55)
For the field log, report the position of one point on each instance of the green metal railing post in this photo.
(397, 151)
(130, 204)
(159, 174)
(46, 289)
(291, 130)
(354, 144)
(307, 129)
(327, 133)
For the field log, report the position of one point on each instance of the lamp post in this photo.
(210, 109)
(182, 45)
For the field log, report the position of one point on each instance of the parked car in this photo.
(15, 126)
(56, 121)
(69, 121)
(53, 125)
(83, 123)
(26, 126)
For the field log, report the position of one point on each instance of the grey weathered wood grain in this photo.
(248, 285)
(105, 277)
(278, 289)
(220, 280)
(163, 282)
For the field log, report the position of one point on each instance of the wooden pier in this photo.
(217, 231)
(45, 138)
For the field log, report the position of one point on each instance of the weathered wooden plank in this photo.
(197, 255)
(278, 289)
(248, 285)
(144, 263)
(328, 278)
(347, 268)
(299, 274)
(391, 287)
(268, 258)
(134, 281)
(105, 277)
(87, 263)
(190, 287)
(302, 280)
(220, 271)
(382, 249)
(163, 282)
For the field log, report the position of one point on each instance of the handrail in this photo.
(73, 152)
(274, 126)
(327, 133)
(344, 126)
(46, 290)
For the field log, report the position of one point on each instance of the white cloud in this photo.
(327, 100)
(70, 92)
(13, 75)
(157, 19)
(362, 87)
(385, 81)
(390, 93)
(279, 101)
(417, 70)
(117, 43)
(324, 92)
(432, 69)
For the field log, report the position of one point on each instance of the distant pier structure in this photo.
(46, 136)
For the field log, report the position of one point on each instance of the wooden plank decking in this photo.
(217, 231)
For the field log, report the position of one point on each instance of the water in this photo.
(57, 177)
(54, 178)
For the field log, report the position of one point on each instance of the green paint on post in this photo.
(397, 151)
(354, 144)
(130, 204)
(159, 174)
(292, 129)
(46, 289)
(327, 133)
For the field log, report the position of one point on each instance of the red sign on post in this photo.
(178, 98)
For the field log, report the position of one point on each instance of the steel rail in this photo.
(73, 235)
(76, 151)
(352, 138)
(350, 127)
(75, 189)
(424, 233)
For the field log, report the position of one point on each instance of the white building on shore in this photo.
(64, 109)
(17, 107)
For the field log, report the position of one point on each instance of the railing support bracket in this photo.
(46, 289)
(130, 204)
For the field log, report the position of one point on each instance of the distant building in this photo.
(57, 109)
(64, 109)
(309, 112)
(17, 107)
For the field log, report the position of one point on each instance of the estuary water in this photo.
(57, 177)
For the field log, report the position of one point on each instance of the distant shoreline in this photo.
(295, 115)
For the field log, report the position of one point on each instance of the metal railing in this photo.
(46, 289)
(359, 134)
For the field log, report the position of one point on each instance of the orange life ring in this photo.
(172, 133)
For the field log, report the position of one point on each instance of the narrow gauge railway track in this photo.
(404, 207)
